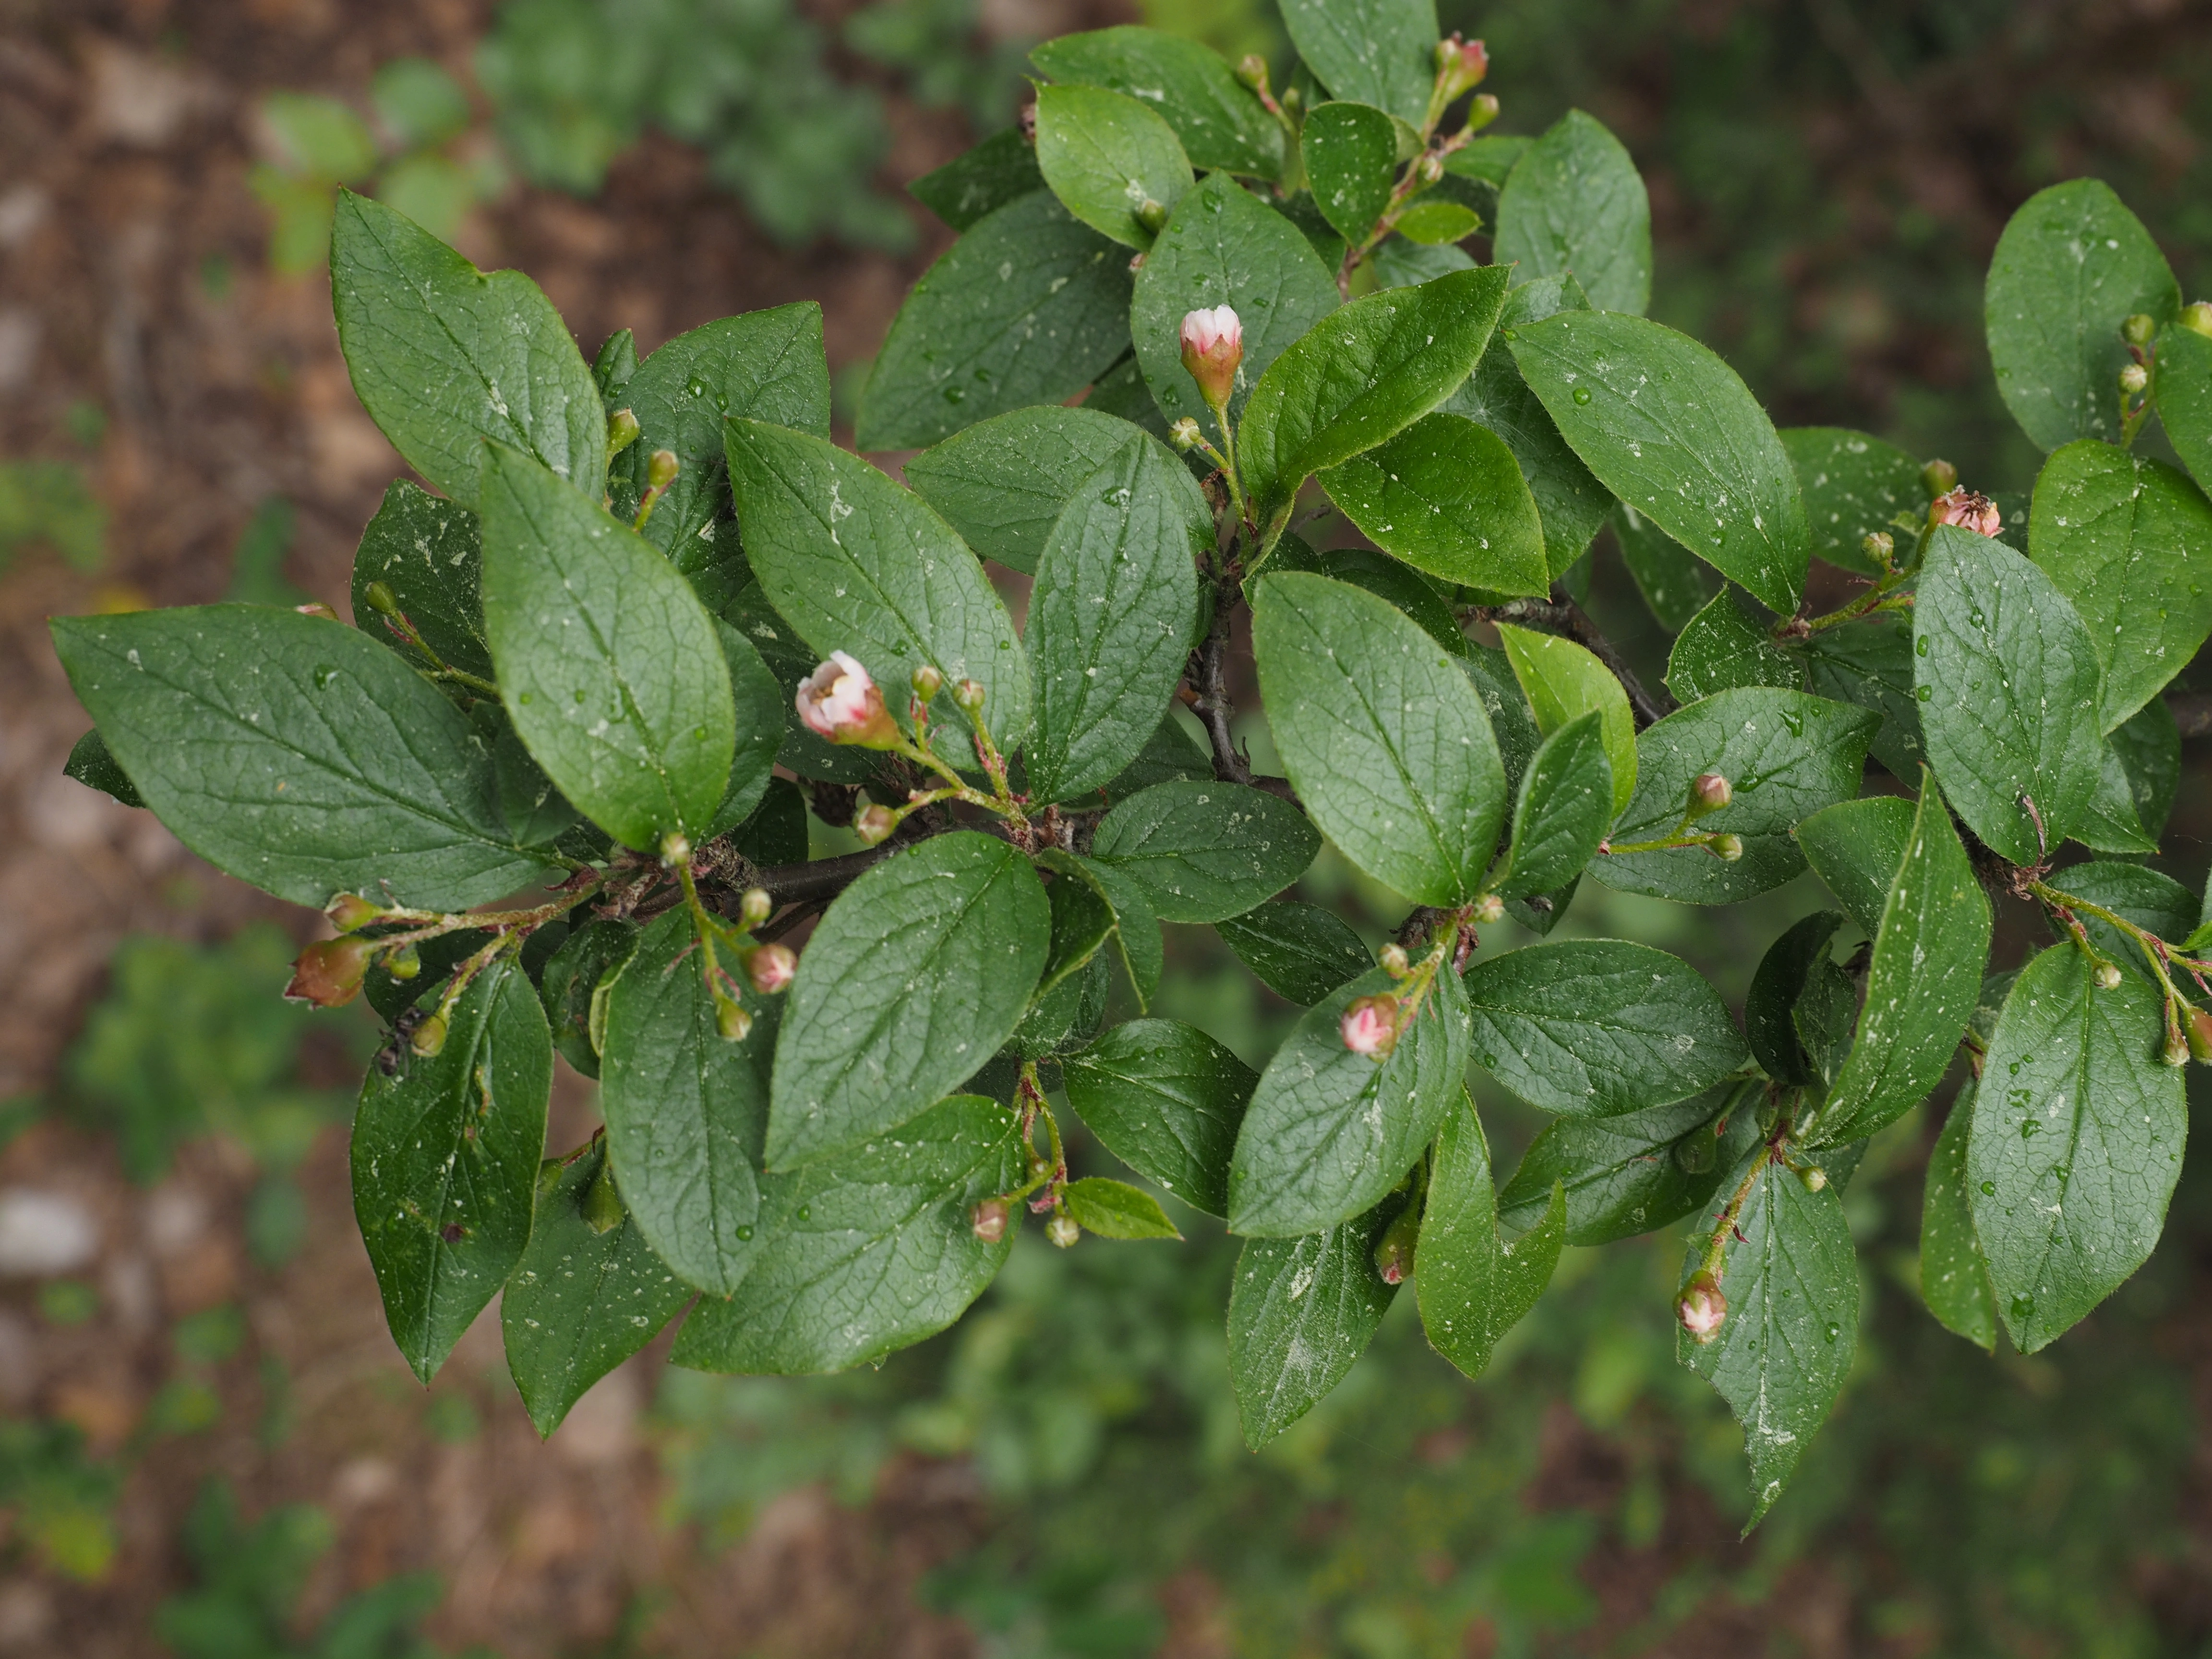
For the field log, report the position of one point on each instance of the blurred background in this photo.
(208, 1448)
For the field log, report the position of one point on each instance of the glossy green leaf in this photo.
(1166, 1099)
(91, 764)
(1172, 753)
(1000, 169)
(2147, 748)
(1954, 1275)
(1473, 1286)
(1776, 986)
(593, 951)
(296, 753)
(444, 1165)
(430, 554)
(2075, 1145)
(2007, 681)
(758, 698)
(1137, 941)
(1203, 851)
(1221, 122)
(1675, 585)
(1870, 662)
(1115, 1209)
(1436, 223)
(1379, 51)
(2183, 387)
(443, 356)
(1299, 951)
(1003, 483)
(1351, 156)
(1400, 586)
(1563, 681)
(1635, 1173)
(1109, 158)
(1330, 1132)
(1447, 496)
(1565, 803)
(1671, 430)
(1854, 485)
(2072, 265)
(1300, 1310)
(913, 979)
(1855, 846)
(1383, 736)
(609, 666)
(1724, 648)
(1574, 203)
(1402, 263)
(1082, 922)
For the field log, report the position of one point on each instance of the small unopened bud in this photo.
(839, 701)
(603, 1207)
(1151, 215)
(756, 907)
(1969, 510)
(2197, 317)
(2199, 1029)
(328, 973)
(1881, 547)
(1370, 1026)
(1430, 168)
(731, 1019)
(621, 432)
(350, 912)
(1291, 100)
(660, 469)
(1461, 67)
(1394, 1251)
(1708, 793)
(1489, 908)
(770, 967)
(874, 823)
(1727, 848)
(1252, 70)
(1480, 112)
(2137, 329)
(428, 1036)
(675, 849)
(1061, 1229)
(1395, 962)
(1814, 1177)
(988, 1220)
(1026, 121)
(317, 608)
(381, 600)
(967, 697)
(2176, 1052)
(1701, 1308)
(404, 963)
(1213, 346)
(928, 681)
(1184, 434)
(1939, 478)
(2134, 378)
(2107, 976)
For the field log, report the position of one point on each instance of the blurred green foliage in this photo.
(61, 1502)
(47, 504)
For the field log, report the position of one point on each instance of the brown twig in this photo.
(1562, 616)
(1210, 688)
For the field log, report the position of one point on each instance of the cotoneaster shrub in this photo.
(1194, 335)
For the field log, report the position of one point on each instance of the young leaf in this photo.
(1853, 485)
(1474, 1287)
(1298, 950)
(1776, 986)
(1855, 846)
(2184, 390)
(1221, 121)
(1672, 430)
(1384, 737)
(858, 565)
(1000, 169)
(430, 554)
(1082, 922)
(609, 666)
(1003, 483)
(91, 765)
(1166, 1099)
(1792, 1285)
(1115, 1209)
(1563, 681)
(1674, 584)
(1377, 51)
(1110, 160)
(2072, 265)
(2111, 529)
(581, 1300)
(1595, 1028)
(1929, 954)
(1029, 307)
(443, 356)
(1631, 1174)
(296, 753)
(1447, 496)
(869, 1251)
(1565, 803)
(1111, 617)
(1954, 1275)
(1724, 647)
(1329, 1131)
(2007, 681)
(759, 701)
(1574, 203)
(1787, 755)
(1300, 1312)
(1359, 376)
(1224, 247)
(913, 979)
(1136, 925)
(1351, 156)
(2075, 1144)
(685, 1107)
(444, 1165)
(1203, 851)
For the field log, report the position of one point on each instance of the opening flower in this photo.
(1702, 1308)
(1212, 347)
(1370, 1026)
(1968, 510)
(839, 701)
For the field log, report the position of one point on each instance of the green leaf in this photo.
(1351, 156)
(1854, 485)
(1221, 122)
(430, 554)
(1777, 986)
(1203, 851)
(858, 565)
(1400, 586)
(1359, 376)
(444, 1165)
(1563, 681)
(581, 1301)
(1504, 701)
(1136, 926)
(1383, 736)
(1437, 223)
(1792, 1285)
(1787, 755)
(1473, 1286)
(1330, 1132)
(1595, 1028)
(2112, 531)
(609, 666)
(1447, 496)
(1632, 1174)
(869, 1251)
(1929, 954)
(296, 753)
(763, 366)
(2183, 387)
(2147, 748)
(1300, 1312)
(1377, 51)
(1724, 648)
(2156, 903)
(1870, 662)
(1109, 157)
(1082, 922)
(685, 1108)
(1299, 951)
(1002, 169)
(912, 980)
(1003, 483)
(1066, 1017)
(1115, 1209)
(591, 953)
(1574, 203)
(2072, 265)
(759, 699)
(1822, 1019)
(91, 765)
(1402, 263)
(1671, 430)
(1954, 1275)
(1171, 753)
(1674, 585)
(791, 661)
(443, 356)
(2008, 682)
(1564, 805)
(1224, 245)
(1490, 160)
(1166, 1099)
(1111, 617)
(1855, 846)
(2075, 1144)
(1029, 307)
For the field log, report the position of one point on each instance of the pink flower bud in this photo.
(874, 823)
(770, 967)
(928, 681)
(317, 608)
(988, 1219)
(1708, 793)
(1701, 1308)
(2200, 1037)
(328, 974)
(1213, 346)
(967, 697)
(1461, 64)
(839, 701)
(1370, 1026)
(350, 912)
(1968, 510)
